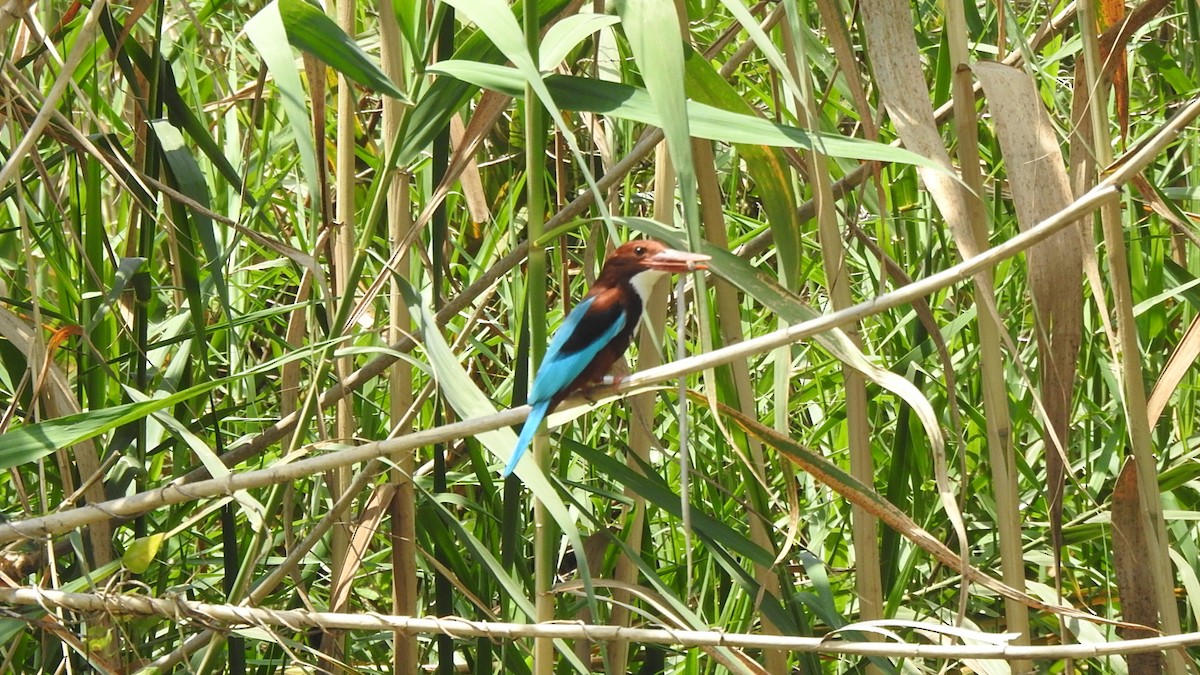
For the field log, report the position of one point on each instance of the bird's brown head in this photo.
(642, 261)
(647, 254)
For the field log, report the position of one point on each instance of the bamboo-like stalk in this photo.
(1128, 354)
(998, 420)
(728, 317)
(342, 245)
(868, 576)
(400, 378)
(641, 421)
(545, 539)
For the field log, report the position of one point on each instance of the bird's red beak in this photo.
(674, 261)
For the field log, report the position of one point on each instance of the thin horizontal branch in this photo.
(181, 610)
(180, 492)
(951, 276)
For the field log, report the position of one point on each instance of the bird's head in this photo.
(641, 262)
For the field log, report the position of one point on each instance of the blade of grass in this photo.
(627, 102)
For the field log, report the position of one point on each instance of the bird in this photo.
(599, 329)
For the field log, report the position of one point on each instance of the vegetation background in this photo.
(270, 271)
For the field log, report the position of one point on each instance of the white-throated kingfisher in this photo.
(599, 329)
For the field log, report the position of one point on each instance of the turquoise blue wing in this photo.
(574, 346)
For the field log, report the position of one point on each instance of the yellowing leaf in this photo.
(141, 553)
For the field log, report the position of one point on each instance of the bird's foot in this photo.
(611, 380)
(601, 387)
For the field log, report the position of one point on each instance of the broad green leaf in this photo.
(650, 486)
(309, 29)
(632, 103)
(269, 36)
(179, 111)
(565, 35)
(30, 443)
(447, 95)
(34, 441)
(190, 180)
(653, 33)
(766, 164)
(496, 20)
(185, 175)
(411, 16)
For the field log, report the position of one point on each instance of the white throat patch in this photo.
(643, 283)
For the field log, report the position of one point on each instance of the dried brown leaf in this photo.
(1129, 558)
(1112, 13)
(472, 183)
(1182, 358)
(1038, 177)
(896, 62)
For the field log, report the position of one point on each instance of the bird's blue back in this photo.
(559, 367)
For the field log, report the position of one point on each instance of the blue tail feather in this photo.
(531, 426)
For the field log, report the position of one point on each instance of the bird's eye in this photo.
(640, 251)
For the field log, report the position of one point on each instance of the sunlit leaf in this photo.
(141, 552)
(308, 28)
(624, 101)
